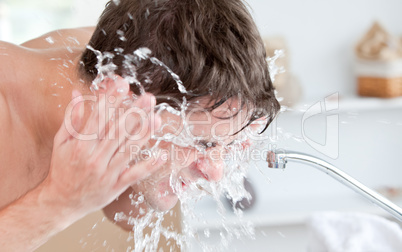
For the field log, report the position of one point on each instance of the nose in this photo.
(211, 168)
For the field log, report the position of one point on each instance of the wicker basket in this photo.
(379, 78)
(380, 87)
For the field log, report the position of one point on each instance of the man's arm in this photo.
(31, 220)
(84, 176)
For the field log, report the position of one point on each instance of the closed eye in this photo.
(231, 143)
(205, 144)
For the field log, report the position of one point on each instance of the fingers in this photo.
(136, 121)
(143, 121)
(134, 129)
(114, 132)
(140, 170)
(117, 90)
(131, 150)
(109, 99)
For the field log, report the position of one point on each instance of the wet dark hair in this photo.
(212, 45)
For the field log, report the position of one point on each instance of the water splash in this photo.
(231, 186)
(273, 68)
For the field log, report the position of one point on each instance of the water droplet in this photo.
(74, 40)
(49, 40)
(121, 35)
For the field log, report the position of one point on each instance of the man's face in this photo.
(196, 152)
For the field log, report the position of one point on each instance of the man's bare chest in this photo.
(23, 165)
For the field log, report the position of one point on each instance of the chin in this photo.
(161, 197)
(163, 203)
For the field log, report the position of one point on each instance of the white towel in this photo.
(353, 232)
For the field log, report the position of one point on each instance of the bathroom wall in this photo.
(86, 12)
(26, 19)
(321, 36)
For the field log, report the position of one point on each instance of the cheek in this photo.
(178, 157)
(211, 170)
(182, 157)
(246, 144)
(159, 195)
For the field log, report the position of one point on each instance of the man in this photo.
(54, 171)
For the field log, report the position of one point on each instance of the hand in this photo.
(86, 175)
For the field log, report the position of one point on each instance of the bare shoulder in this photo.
(9, 53)
(5, 50)
(4, 113)
(4, 117)
(15, 63)
(5, 121)
(19, 74)
(10, 62)
(76, 37)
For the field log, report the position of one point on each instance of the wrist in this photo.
(30, 221)
(58, 207)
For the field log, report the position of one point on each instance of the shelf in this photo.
(352, 104)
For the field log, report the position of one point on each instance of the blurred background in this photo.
(323, 43)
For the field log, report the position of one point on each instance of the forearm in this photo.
(30, 221)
